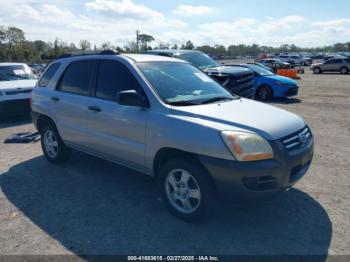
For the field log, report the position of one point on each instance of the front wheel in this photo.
(264, 93)
(52, 145)
(317, 70)
(186, 189)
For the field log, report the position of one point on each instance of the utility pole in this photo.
(137, 40)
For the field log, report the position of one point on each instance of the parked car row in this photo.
(16, 83)
(170, 120)
(256, 81)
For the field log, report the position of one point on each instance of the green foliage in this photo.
(14, 47)
(144, 39)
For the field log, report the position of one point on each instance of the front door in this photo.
(116, 131)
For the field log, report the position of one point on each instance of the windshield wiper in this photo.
(182, 103)
(216, 99)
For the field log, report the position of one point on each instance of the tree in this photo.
(107, 46)
(188, 46)
(131, 47)
(2, 33)
(145, 39)
(84, 45)
(175, 47)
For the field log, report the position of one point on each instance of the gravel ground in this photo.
(90, 206)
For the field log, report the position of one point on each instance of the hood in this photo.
(282, 79)
(244, 115)
(227, 69)
(316, 64)
(15, 84)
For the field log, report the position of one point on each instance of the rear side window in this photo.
(49, 73)
(76, 78)
(338, 61)
(112, 78)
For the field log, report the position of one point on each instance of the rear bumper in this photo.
(14, 107)
(35, 117)
(260, 178)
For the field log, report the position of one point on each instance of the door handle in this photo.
(55, 99)
(94, 108)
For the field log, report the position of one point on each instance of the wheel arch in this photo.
(262, 85)
(165, 154)
(42, 120)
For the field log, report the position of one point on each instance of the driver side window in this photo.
(114, 77)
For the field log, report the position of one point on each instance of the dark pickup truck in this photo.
(237, 80)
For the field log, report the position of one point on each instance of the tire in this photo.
(186, 189)
(317, 70)
(54, 149)
(344, 70)
(264, 93)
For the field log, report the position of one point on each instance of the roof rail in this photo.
(84, 53)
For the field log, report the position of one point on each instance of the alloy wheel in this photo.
(50, 143)
(182, 191)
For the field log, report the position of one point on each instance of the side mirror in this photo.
(131, 98)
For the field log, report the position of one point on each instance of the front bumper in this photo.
(260, 178)
(15, 107)
(292, 91)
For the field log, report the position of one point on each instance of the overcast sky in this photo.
(270, 22)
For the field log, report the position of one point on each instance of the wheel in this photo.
(344, 70)
(317, 70)
(52, 145)
(186, 189)
(264, 93)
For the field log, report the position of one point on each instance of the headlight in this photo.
(278, 83)
(247, 146)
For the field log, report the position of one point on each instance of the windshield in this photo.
(183, 84)
(16, 72)
(199, 60)
(260, 71)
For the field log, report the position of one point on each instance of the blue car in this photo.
(269, 85)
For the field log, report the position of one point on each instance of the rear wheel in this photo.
(52, 145)
(186, 189)
(317, 70)
(264, 93)
(344, 70)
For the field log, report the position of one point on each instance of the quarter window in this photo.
(112, 78)
(49, 73)
(76, 78)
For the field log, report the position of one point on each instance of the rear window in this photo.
(76, 78)
(49, 73)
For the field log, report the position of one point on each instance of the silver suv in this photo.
(169, 120)
(336, 64)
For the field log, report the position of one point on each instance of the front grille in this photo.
(297, 139)
(292, 91)
(243, 85)
(16, 92)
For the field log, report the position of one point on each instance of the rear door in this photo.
(328, 65)
(70, 101)
(337, 64)
(116, 131)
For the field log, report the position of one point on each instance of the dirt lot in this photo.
(90, 206)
